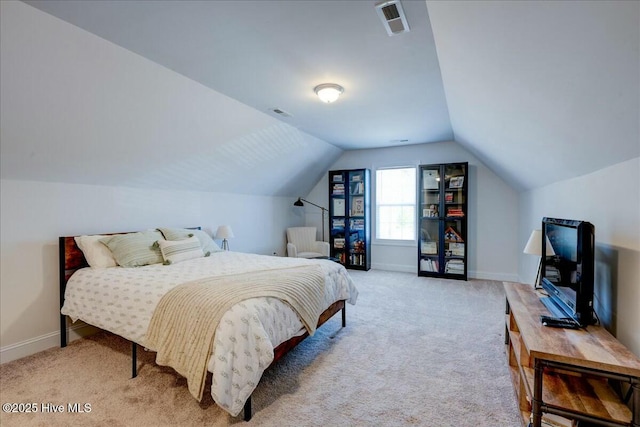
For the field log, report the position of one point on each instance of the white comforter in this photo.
(122, 300)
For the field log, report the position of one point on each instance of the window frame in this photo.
(376, 240)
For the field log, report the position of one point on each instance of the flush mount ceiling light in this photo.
(328, 92)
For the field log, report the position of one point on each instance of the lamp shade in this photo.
(534, 244)
(224, 232)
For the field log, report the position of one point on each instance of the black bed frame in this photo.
(72, 259)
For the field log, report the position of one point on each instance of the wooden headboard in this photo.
(71, 258)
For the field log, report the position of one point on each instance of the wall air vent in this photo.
(392, 16)
(280, 112)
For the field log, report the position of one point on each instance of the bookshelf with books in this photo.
(349, 217)
(442, 246)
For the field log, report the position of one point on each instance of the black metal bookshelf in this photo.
(442, 213)
(350, 217)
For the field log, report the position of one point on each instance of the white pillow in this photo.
(96, 254)
(207, 243)
(180, 250)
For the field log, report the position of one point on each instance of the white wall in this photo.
(492, 216)
(610, 200)
(34, 214)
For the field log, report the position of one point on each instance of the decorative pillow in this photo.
(180, 250)
(206, 242)
(135, 249)
(96, 254)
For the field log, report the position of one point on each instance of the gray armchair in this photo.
(302, 243)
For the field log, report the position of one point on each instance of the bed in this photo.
(251, 335)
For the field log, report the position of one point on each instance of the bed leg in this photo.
(134, 359)
(344, 316)
(247, 409)
(63, 330)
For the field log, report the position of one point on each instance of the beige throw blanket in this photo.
(183, 324)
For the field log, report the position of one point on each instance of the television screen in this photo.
(564, 241)
(567, 273)
(562, 267)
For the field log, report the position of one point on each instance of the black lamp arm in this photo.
(299, 203)
(311, 203)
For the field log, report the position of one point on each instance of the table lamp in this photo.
(224, 232)
(534, 247)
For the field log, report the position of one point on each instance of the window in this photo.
(396, 203)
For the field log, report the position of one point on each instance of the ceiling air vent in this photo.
(392, 17)
(280, 112)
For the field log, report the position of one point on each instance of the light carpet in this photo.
(416, 352)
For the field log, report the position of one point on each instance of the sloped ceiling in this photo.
(77, 109)
(540, 91)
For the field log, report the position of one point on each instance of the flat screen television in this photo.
(568, 272)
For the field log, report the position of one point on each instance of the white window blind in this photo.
(396, 203)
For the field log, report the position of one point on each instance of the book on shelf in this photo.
(448, 197)
(337, 178)
(430, 179)
(430, 212)
(356, 178)
(455, 211)
(337, 223)
(428, 264)
(338, 207)
(357, 206)
(339, 243)
(552, 273)
(357, 259)
(456, 182)
(429, 248)
(356, 224)
(456, 249)
(454, 266)
(337, 190)
(357, 188)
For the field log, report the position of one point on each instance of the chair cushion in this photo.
(302, 237)
(310, 255)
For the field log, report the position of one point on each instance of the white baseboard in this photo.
(43, 342)
(486, 275)
(403, 268)
(483, 275)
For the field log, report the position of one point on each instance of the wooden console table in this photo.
(583, 374)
